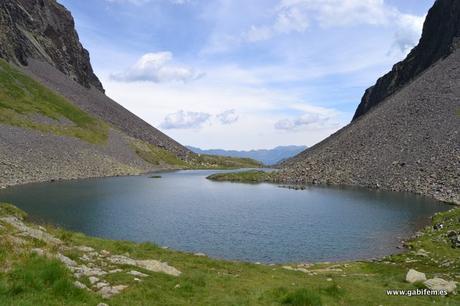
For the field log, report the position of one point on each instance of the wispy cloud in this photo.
(158, 68)
(228, 117)
(297, 16)
(185, 120)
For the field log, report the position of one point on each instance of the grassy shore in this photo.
(250, 176)
(35, 270)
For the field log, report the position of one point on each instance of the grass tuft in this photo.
(302, 297)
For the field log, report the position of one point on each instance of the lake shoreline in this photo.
(393, 245)
(347, 282)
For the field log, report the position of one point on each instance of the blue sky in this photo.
(238, 74)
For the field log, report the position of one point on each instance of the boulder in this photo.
(440, 284)
(414, 276)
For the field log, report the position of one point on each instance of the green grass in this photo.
(163, 158)
(251, 176)
(28, 280)
(204, 161)
(157, 156)
(21, 96)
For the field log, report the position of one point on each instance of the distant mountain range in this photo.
(268, 157)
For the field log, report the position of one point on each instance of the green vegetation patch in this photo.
(157, 156)
(11, 210)
(204, 161)
(251, 176)
(21, 96)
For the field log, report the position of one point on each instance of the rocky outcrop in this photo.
(440, 38)
(38, 39)
(410, 142)
(44, 30)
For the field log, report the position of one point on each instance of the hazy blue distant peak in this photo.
(266, 156)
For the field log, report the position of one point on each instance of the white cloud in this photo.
(295, 16)
(408, 32)
(313, 118)
(185, 120)
(228, 117)
(157, 68)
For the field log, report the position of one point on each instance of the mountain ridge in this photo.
(440, 37)
(44, 30)
(266, 156)
(408, 142)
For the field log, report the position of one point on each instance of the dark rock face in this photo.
(410, 142)
(440, 37)
(44, 30)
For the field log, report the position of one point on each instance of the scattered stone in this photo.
(83, 248)
(414, 276)
(93, 280)
(177, 286)
(115, 271)
(422, 253)
(105, 253)
(441, 284)
(29, 231)
(66, 260)
(136, 273)
(137, 280)
(200, 254)
(102, 285)
(85, 258)
(329, 279)
(108, 291)
(84, 270)
(150, 264)
(80, 285)
(102, 304)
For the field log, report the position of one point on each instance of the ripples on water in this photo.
(264, 223)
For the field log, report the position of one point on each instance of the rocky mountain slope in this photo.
(44, 30)
(55, 120)
(411, 140)
(440, 38)
(267, 157)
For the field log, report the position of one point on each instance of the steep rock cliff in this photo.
(44, 30)
(440, 38)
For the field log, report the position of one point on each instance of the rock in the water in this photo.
(440, 284)
(414, 276)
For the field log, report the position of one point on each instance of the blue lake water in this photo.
(185, 211)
